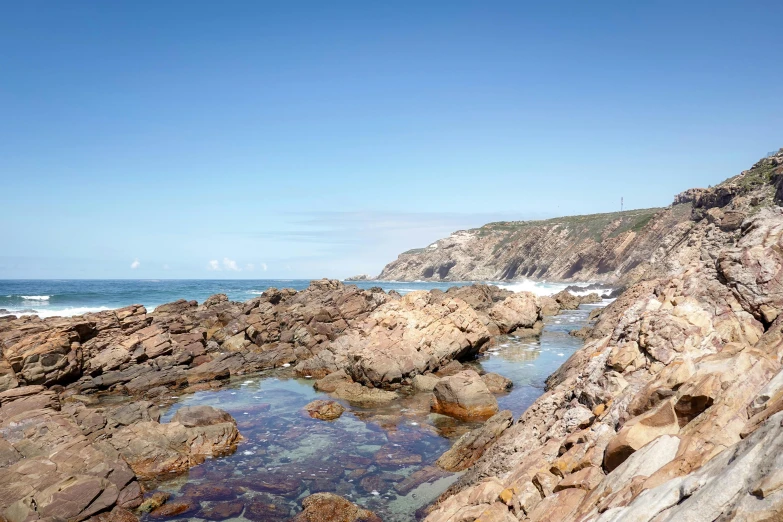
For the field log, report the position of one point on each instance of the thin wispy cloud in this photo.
(214, 265)
(136, 264)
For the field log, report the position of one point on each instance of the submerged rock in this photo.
(328, 507)
(324, 410)
(471, 446)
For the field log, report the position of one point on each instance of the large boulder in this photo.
(413, 335)
(464, 396)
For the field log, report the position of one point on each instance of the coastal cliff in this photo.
(673, 408)
(615, 248)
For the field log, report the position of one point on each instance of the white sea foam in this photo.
(545, 288)
(65, 312)
(35, 297)
(255, 292)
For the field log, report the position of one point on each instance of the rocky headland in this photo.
(672, 410)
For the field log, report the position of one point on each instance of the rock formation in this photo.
(67, 454)
(672, 409)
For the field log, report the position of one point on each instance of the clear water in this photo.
(71, 297)
(298, 455)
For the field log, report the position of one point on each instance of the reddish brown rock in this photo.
(327, 507)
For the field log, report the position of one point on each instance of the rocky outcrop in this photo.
(672, 409)
(361, 345)
(421, 333)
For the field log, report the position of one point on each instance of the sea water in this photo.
(48, 298)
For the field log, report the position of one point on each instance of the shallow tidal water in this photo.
(381, 458)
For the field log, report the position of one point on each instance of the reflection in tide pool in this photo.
(381, 458)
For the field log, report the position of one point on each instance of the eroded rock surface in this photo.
(67, 453)
(672, 409)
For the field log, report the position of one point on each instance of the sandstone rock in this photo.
(177, 508)
(327, 507)
(324, 410)
(355, 393)
(586, 478)
(330, 382)
(497, 383)
(639, 431)
(195, 416)
(221, 510)
(469, 448)
(152, 449)
(425, 383)
(411, 336)
(464, 396)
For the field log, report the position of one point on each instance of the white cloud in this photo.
(229, 264)
(165, 267)
(263, 266)
(135, 264)
(214, 265)
(250, 267)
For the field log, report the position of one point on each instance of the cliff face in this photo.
(673, 408)
(598, 247)
(617, 248)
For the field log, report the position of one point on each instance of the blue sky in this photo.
(307, 139)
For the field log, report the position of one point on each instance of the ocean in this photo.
(52, 297)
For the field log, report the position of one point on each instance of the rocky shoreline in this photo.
(673, 408)
(74, 448)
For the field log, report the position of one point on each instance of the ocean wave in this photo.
(65, 312)
(544, 288)
(29, 297)
(255, 292)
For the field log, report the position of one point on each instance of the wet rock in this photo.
(497, 383)
(471, 446)
(355, 393)
(221, 510)
(324, 410)
(419, 477)
(276, 483)
(262, 509)
(391, 455)
(155, 500)
(194, 416)
(208, 491)
(117, 514)
(152, 448)
(327, 507)
(176, 508)
(330, 382)
(464, 396)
